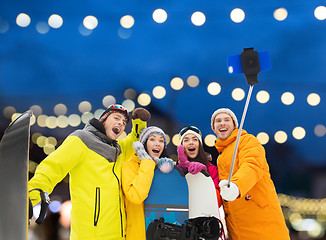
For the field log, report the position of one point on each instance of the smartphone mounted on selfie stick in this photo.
(250, 63)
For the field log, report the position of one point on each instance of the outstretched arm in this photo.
(55, 167)
(139, 116)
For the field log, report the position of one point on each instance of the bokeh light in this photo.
(62, 121)
(287, 98)
(280, 137)
(159, 92)
(84, 107)
(214, 88)
(176, 83)
(108, 100)
(198, 18)
(237, 15)
(41, 120)
(210, 140)
(55, 206)
(42, 27)
(86, 117)
(51, 122)
(130, 93)
(55, 21)
(320, 130)
(74, 120)
(129, 104)
(299, 133)
(160, 15)
(280, 14)
(262, 96)
(193, 81)
(60, 109)
(36, 109)
(144, 99)
(313, 99)
(65, 211)
(238, 94)
(127, 21)
(320, 13)
(8, 111)
(176, 140)
(23, 20)
(263, 138)
(90, 22)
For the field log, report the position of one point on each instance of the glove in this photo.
(140, 151)
(196, 167)
(156, 160)
(30, 210)
(141, 113)
(166, 165)
(229, 193)
(183, 159)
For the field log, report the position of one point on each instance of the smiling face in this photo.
(191, 145)
(223, 125)
(114, 125)
(155, 145)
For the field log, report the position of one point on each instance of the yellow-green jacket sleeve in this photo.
(126, 144)
(56, 166)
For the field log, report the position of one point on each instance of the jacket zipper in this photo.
(97, 206)
(137, 134)
(116, 152)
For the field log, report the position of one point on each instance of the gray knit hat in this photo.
(146, 132)
(227, 111)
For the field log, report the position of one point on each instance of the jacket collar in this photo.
(221, 144)
(97, 128)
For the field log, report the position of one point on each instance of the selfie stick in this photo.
(248, 63)
(239, 134)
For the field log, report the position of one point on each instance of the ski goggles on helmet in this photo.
(190, 129)
(115, 108)
(193, 128)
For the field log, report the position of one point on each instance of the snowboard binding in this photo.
(205, 228)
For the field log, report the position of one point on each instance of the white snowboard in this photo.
(202, 196)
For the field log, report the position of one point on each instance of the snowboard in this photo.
(14, 156)
(167, 198)
(202, 196)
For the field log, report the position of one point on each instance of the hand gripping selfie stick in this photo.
(250, 63)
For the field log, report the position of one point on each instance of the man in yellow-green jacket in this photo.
(93, 158)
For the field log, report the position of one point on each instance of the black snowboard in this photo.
(14, 155)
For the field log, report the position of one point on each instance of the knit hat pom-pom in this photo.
(166, 165)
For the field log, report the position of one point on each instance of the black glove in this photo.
(141, 113)
(30, 209)
(45, 201)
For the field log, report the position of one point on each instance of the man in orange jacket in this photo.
(250, 203)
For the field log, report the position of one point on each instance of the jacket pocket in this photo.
(260, 200)
(97, 206)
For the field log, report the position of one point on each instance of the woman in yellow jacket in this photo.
(137, 176)
(250, 203)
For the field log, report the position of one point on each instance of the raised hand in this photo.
(140, 151)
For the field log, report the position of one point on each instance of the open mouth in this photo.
(191, 149)
(116, 130)
(223, 130)
(156, 151)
